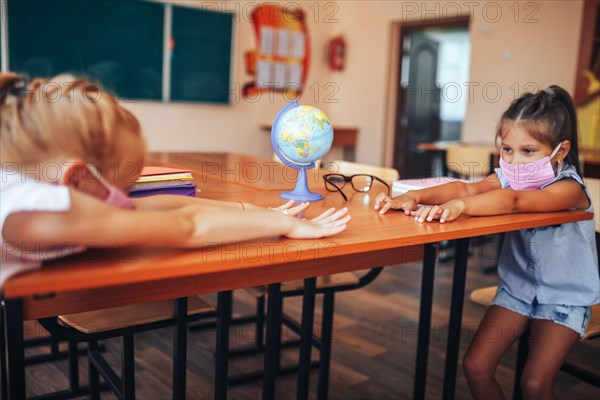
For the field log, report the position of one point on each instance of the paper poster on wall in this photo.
(280, 60)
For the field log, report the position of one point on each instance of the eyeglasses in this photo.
(359, 182)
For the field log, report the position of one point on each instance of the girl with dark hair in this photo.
(548, 275)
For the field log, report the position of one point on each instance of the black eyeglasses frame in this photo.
(327, 180)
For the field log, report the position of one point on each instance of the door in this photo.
(418, 113)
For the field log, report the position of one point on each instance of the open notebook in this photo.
(404, 185)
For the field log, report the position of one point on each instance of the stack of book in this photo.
(162, 180)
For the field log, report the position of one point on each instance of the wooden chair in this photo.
(471, 162)
(124, 322)
(327, 285)
(484, 297)
(351, 168)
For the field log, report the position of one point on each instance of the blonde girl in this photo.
(69, 153)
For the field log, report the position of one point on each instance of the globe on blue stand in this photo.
(301, 135)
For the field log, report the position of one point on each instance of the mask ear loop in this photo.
(554, 152)
(96, 174)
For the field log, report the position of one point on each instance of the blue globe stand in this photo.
(301, 192)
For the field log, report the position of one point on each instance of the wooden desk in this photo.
(130, 275)
(229, 172)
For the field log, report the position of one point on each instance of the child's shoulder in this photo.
(567, 171)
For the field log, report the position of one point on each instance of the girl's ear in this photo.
(74, 173)
(565, 147)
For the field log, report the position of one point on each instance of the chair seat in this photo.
(484, 297)
(326, 281)
(128, 316)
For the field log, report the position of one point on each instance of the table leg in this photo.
(455, 322)
(224, 304)
(272, 348)
(15, 352)
(326, 339)
(3, 380)
(180, 348)
(427, 280)
(306, 335)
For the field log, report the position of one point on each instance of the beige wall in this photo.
(505, 54)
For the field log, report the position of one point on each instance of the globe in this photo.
(300, 136)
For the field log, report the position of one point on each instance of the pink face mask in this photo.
(115, 196)
(529, 176)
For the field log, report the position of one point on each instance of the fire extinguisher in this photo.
(337, 54)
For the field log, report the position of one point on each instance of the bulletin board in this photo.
(281, 59)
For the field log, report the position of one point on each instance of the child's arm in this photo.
(91, 222)
(171, 202)
(562, 195)
(435, 195)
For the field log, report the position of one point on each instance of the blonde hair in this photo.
(62, 117)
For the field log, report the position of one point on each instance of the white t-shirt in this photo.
(19, 193)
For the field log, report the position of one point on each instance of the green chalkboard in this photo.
(116, 42)
(119, 43)
(201, 56)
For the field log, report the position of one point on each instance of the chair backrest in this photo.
(593, 187)
(351, 168)
(469, 160)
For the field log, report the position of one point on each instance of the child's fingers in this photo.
(445, 215)
(293, 211)
(324, 215)
(422, 214)
(334, 217)
(381, 197)
(433, 213)
(417, 213)
(285, 206)
(386, 206)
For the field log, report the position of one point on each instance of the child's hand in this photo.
(327, 224)
(404, 202)
(448, 211)
(288, 208)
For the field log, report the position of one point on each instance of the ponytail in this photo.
(571, 121)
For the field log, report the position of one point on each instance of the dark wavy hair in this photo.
(548, 116)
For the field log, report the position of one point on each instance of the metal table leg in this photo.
(15, 352)
(427, 280)
(180, 348)
(326, 339)
(306, 335)
(455, 322)
(224, 304)
(272, 348)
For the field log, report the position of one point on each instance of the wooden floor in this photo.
(373, 351)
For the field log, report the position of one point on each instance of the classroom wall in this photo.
(503, 52)
(540, 47)
(235, 127)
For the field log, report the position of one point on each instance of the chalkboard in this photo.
(119, 43)
(116, 42)
(201, 56)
